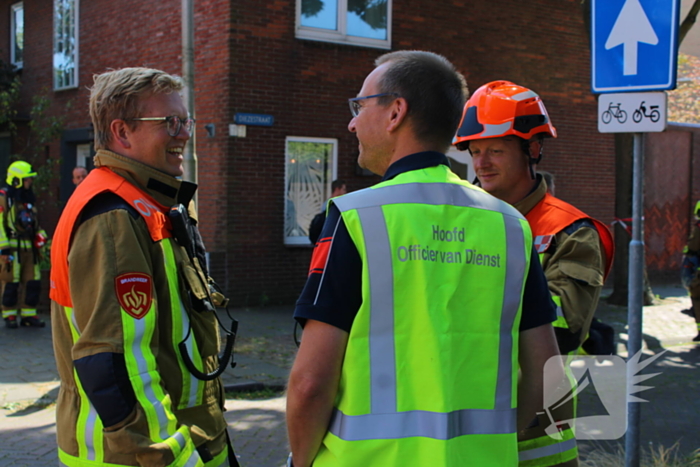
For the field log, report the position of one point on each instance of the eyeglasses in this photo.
(173, 123)
(355, 106)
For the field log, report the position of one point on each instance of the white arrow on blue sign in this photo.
(634, 46)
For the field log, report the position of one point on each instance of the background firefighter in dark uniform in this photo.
(21, 242)
(691, 270)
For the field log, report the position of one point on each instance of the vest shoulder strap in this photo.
(100, 180)
(552, 215)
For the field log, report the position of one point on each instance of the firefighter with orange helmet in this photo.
(504, 126)
(21, 242)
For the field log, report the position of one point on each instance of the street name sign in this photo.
(634, 45)
(632, 112)
(253, 119)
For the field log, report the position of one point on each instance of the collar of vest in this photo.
(165, 189)
(100, 180)
(552, 215)
(526, 204)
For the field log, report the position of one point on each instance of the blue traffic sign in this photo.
(634, 46)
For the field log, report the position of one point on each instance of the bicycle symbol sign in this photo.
(614, 111)
(648, 110)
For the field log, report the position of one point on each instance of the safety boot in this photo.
(11, 322)
(32, 322)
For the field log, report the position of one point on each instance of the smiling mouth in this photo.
(175, 151)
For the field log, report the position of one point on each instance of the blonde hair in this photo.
(117, 95)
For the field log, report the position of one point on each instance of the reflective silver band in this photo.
(90, 433)
(516, 261)
(521, 96)
(544, 451)
(194, 460)
(384, 422)
(560, 312)
(146, 377)
(381, 330)
(434, 425)
(423, 193)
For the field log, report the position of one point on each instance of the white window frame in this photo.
(13, 34)
(308, 212)
(73, 82)
(463, 157)
(340, 36)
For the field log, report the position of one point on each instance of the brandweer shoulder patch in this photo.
(135, 293)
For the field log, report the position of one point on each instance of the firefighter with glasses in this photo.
(135, 327)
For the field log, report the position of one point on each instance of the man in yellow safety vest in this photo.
(424, 293)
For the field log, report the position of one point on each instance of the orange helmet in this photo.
(502, 108)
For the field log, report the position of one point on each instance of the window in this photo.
(357, 22)
(17, 34)
(309, 170)
(65, 44)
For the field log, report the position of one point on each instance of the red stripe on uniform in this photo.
(318, 259)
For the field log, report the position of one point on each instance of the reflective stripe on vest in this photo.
(546, 451)
(385, 421)
(146, 382)
(192, 388)
(100, 180)
(88, 424)
(561, 319)
(188, 457)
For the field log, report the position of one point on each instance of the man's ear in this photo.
(121, 133)
(399, 111)
(535, 148)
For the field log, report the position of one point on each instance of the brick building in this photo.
(284, 66)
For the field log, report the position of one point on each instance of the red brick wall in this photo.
(305, 84)
(667, 198)
(248, 60)
(135, 33)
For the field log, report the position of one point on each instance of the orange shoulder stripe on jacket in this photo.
(100, 180)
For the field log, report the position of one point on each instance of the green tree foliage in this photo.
(44, 128)
(372, 12)
(9, 93)
(310, 8)
(684, 101)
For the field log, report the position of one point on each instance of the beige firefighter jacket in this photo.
(103, 247)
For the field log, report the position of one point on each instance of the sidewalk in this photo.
(671, 414)
(265, 350)
(29, 385)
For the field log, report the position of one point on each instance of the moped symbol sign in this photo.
(632, 112)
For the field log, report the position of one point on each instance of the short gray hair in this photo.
(434, 89)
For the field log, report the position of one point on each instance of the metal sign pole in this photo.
(634, 298)
(190, 153)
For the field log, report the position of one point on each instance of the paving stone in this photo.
(258, 431)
